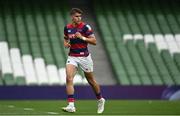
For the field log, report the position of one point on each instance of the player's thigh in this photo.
(70, 71)
(89, 75)
(86, 64)
(71, 67)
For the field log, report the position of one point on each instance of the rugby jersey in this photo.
(78, 47)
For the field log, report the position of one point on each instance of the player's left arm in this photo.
(91, 39)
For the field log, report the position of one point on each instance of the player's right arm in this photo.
(67, 43)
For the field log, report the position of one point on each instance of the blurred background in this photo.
(137, 54)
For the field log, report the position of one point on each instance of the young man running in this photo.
(77, 36)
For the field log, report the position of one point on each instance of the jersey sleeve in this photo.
(88, 30)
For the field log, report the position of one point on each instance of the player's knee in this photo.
(69, 79)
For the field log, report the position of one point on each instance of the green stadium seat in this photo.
(175, 12)
(36, 49)
(119, 70)
(172, 44)
(146, 58)
(170, 17)
(117, 64)
(129, 66)
(25, 48)
(2, 32)
(162, 69)
(141, 70)
(172, 68)
(130, 17)
(177, 60)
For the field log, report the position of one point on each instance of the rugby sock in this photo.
(71, 100)
(99, 96)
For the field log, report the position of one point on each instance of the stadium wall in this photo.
(85, 92)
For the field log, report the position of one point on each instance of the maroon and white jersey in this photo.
(78, 46)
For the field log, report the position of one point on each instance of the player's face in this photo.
(76, 18)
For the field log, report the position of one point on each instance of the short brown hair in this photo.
(76, 10)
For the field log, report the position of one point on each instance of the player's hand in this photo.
(65, 37)
(78, 35)
(67, 44)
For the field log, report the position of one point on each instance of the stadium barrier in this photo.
(85, 92)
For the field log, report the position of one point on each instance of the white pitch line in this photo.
(11, 106)
(52, 113)
(29, 109)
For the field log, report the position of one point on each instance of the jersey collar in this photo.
(80, 25)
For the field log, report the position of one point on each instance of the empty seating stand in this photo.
(145, 36)
(31, 42)
(141, 37)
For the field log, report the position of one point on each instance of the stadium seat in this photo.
(140, 67)
(170, 64)
(177, 38)
(7, 72)
(53, 75)
(161, 67)
(148, 39)
(41, 73)
(129, 67)
(161, 43)
(177, 59)
(147, 59)
(172, 45)
(29, 70)
(138, 37)
(2, 32)
(127, 37)
(140, 17)
(17, 66)
(170, 16)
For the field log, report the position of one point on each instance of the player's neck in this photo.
(76, 24)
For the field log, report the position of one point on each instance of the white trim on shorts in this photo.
(85, 63)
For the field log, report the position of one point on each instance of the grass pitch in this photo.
(88, 107)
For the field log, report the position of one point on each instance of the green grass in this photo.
(88, 107)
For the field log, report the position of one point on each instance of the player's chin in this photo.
(79, 21)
